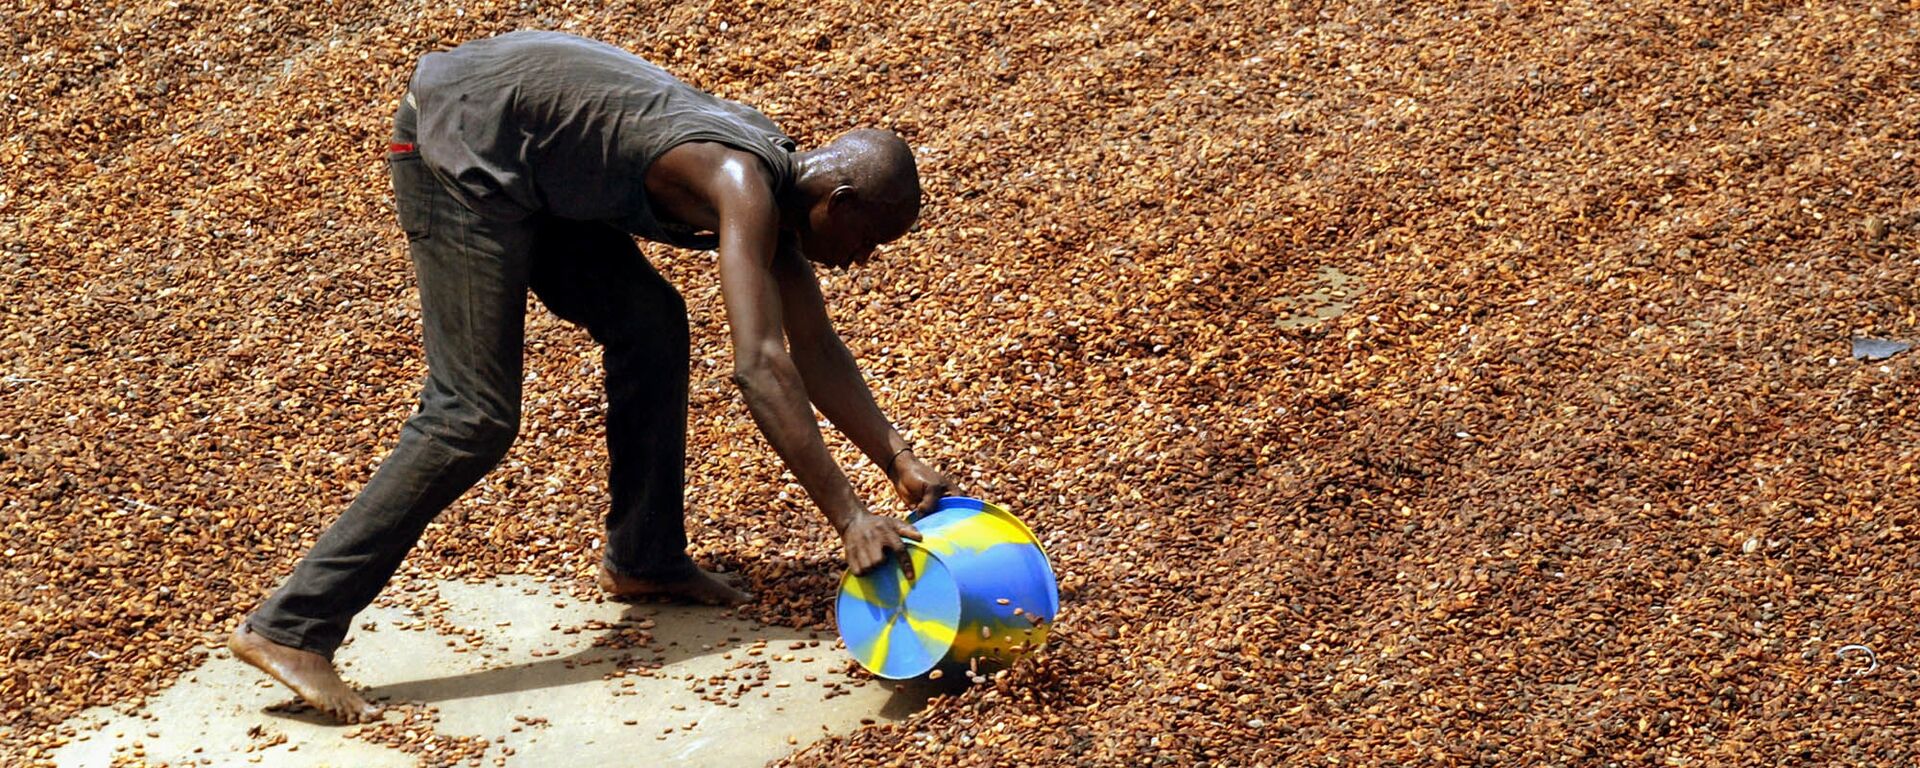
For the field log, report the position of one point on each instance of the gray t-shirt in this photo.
(548, 122)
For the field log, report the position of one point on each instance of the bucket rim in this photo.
(949, 503)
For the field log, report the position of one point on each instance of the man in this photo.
(528, 162)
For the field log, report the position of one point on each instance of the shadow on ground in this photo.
(543, 678)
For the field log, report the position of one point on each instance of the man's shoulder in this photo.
(702, 179)
(717, 166)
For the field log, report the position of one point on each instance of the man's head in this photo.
(857, 192)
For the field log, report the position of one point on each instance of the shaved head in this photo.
(882, 166)
(879, 166)
(852, 195)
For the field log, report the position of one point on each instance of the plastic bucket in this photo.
(982, 592)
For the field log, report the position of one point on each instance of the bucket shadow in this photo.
(910, 696)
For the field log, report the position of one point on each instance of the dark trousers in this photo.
(474, 274)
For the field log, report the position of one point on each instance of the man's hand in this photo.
(919, 485)
(871, 538)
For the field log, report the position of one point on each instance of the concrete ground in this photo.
(513, 672)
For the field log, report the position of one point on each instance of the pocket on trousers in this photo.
(412, 194)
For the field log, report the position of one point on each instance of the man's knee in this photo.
(651, 334)
(482, 433)
(493, 437)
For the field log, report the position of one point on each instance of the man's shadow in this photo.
(679, 632)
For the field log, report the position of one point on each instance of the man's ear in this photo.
(841, 196)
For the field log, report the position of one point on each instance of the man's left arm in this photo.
(837, 388)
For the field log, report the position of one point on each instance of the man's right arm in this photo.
(765, 372)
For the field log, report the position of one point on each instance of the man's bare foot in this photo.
(701, 587)
(307, 673)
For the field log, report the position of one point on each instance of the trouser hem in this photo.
(670, 572)
(288, 639)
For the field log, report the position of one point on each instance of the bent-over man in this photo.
(530, 161)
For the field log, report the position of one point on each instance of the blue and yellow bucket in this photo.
(982, 593)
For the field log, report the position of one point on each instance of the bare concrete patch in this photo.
(543, 678)
(1334, 293)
